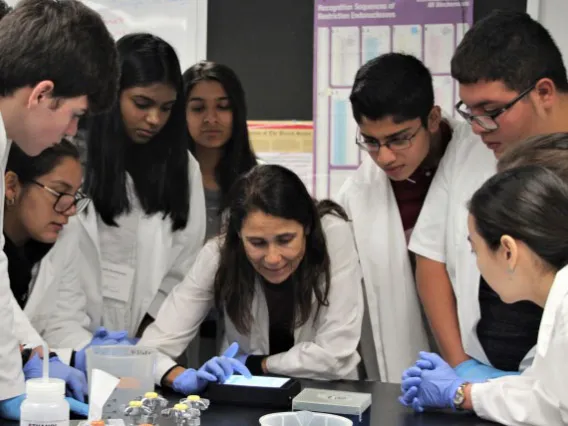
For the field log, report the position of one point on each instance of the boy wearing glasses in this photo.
(512, 85)
(404, 136)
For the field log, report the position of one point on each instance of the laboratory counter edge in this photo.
(385, 409)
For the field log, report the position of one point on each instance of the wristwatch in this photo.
(459, 397)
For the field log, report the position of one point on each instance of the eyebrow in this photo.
(391, 136)
(146, 98)
(197, 98)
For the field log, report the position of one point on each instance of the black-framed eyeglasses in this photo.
(373, 145)
(488, 120)
(65, 201)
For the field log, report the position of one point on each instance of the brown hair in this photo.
(550, 151)
(62, 41)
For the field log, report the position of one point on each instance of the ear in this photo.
(12, 185)
(510, 252)
(434, 119)
(545, 93)
(41, 93)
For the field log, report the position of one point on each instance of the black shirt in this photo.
(507, 332)
(21, 261)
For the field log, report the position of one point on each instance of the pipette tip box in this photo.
(353, 405)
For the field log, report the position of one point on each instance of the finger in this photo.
(410, 394)
(206, 376)
(410, 382)
(118, 335)
(76, 389)
(416, 406)
(435, 359)
(78, 407)
(232, 350)
(424, 365)
(212, 367)
(227, 366)
(100, 332)
(240, 368)
(411, 372)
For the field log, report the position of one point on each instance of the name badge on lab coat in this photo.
(117, 281)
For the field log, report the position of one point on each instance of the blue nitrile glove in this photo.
(429, 388)
(75, 379)
(474, 371)
(217, 369)
(101, 337)
(10, 408)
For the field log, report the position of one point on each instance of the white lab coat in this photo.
(441, 231)
(393, 328)
(325, 348)
(538, 396)
(11, 375)
(163, 260)
(37, 317)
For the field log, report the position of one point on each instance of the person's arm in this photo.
(333, 353)
(437, 296)
(189, 240)
(183, 311)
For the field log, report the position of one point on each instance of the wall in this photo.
(553, 14)
(269, 44)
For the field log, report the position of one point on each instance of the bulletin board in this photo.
(182, 23)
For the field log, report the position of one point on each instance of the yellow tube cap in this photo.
(150, 395)
(135, 404)
(193, 398)
(180, 407)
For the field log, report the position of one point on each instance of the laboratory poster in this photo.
(346, 35)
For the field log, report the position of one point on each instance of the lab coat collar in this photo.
(554, 300)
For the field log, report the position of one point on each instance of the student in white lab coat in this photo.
(146, 222)
(405, 136)
(518, 229)
(43, 94)
(282, 254)
(512, 82)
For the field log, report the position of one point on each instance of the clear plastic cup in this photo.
(133, 365)
(304, 418)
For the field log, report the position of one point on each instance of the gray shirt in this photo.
(212, 205)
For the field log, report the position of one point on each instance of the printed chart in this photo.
(348, 34)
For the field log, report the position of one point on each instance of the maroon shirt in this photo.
(410, 196)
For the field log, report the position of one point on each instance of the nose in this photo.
(153, 117)
(477, 128)
(73, 127)
(71, 211)
(272, 256)
(385, 156)
(210, 115)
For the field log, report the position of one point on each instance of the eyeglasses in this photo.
(373, 145)
(65, 201)
(487, 120)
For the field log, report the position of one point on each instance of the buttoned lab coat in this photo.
(441, 231)
(163, 260)
(538, 396)
(324, 348)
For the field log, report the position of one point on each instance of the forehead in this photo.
(80, 103)
(385, 127)
(260, 224)
(208, 89)
(67, 170)
(160, 92)
(485, 92)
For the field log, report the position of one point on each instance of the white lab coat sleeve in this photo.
(429, 235)
(333, 352)
(183, 311)
(24, 330)
(68, 323)
(191, 238)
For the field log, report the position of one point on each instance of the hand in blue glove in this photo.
(217, 369)
(75, 379)
(424, 387)
(474, 371)
(10, 408)
(101, 337)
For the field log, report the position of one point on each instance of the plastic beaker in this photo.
(304, 418)
(133, 365)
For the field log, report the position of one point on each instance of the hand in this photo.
(10, 408)
(222, 367)
(101, 337)
(425, 387)
(75, 379)
(474, 371)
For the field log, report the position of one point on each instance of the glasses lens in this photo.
(64, 203)
(399, 145)
(486, 122)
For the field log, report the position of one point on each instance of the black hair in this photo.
(4, 9)
(30, 168)
(528, 203)
(509, 47)
(393, 85)
(279, 192)
(159, 168)
(238, 156)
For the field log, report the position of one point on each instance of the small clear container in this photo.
(304, 418)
